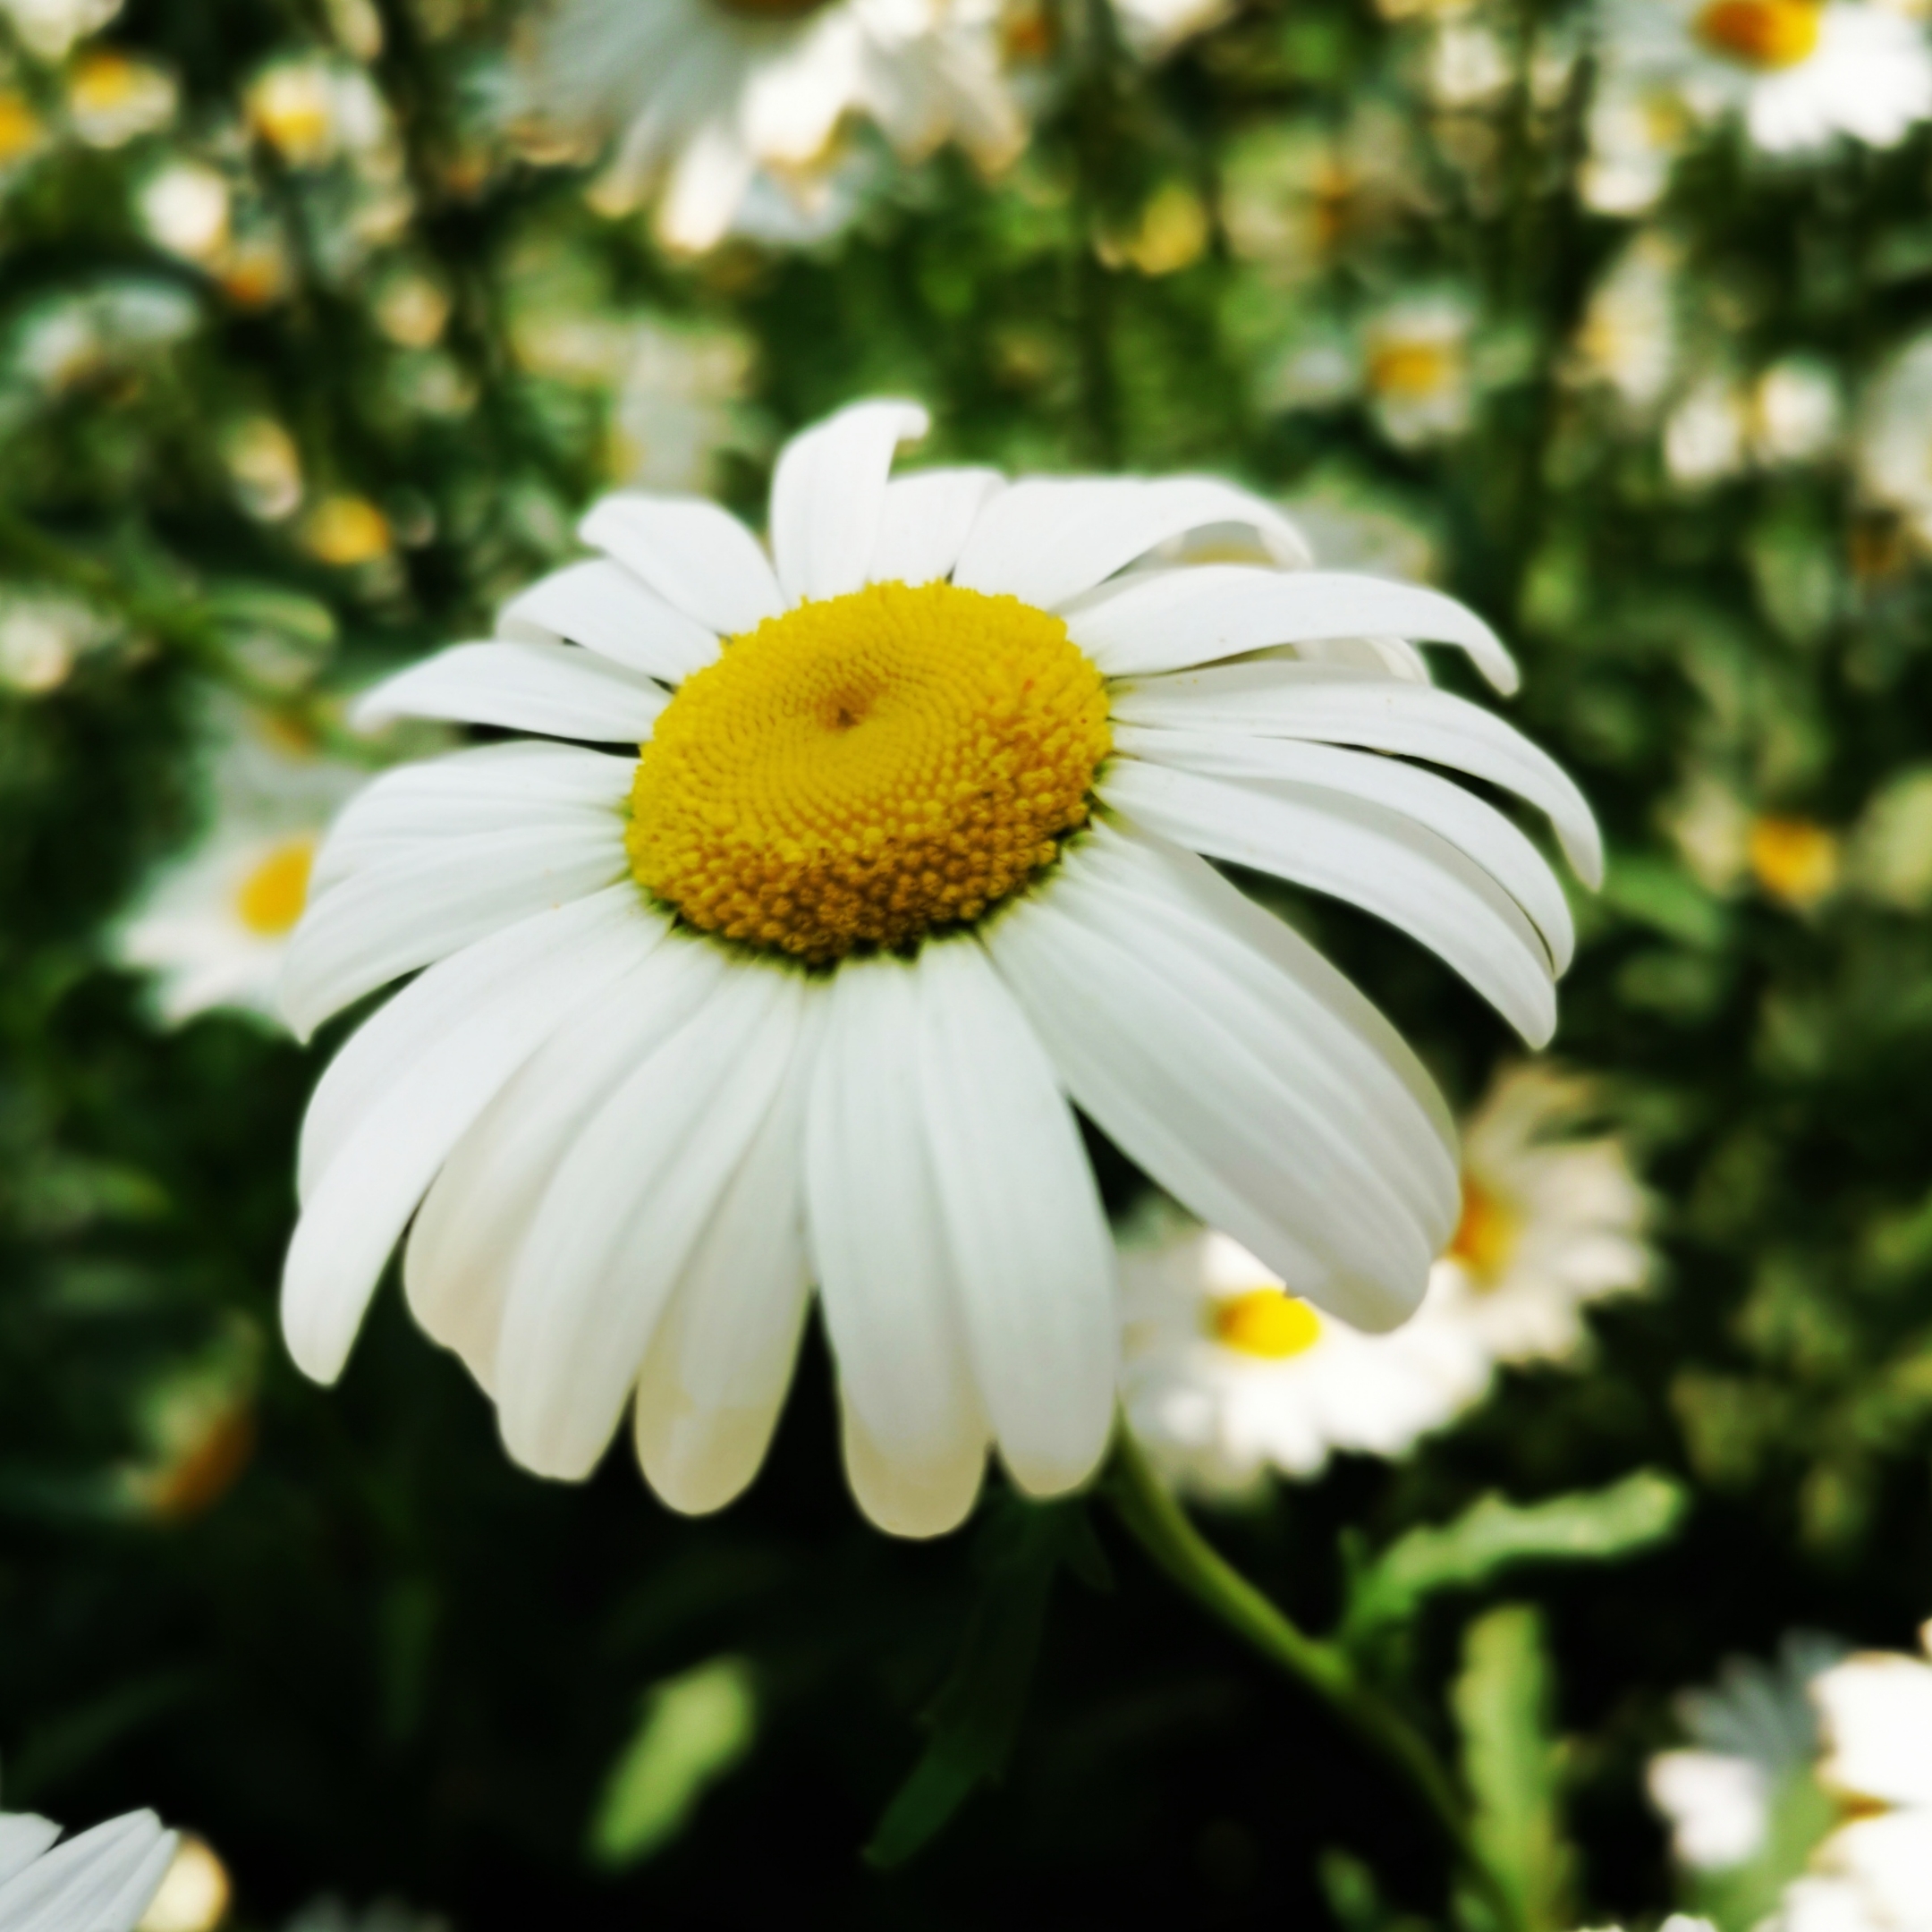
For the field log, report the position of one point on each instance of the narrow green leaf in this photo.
(976, 1718)
(1502, 1702)
(692, 1730)
(1591, 1525)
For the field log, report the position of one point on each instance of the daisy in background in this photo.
(216, 924)
(1800, 73)
(99, 1881)
(709, 97)
(1892, 452)
(1227, 1374)
(911, 856)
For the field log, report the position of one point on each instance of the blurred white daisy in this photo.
(50, 28)
(806, 987)
(1635, 132)
(1629, 334)
(112, 98)
(682, 403)
(1227, 1375)
(1416, 368)
(97, 1881)
(216, 924)
(710, 96)
(1800, 72)
(1753, 1735)
(1154, 28)
(1893, 451)
(1876, 1710)
(1550, 1222)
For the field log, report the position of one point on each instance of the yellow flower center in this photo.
(1266, 1322)
(1794, 859)
(20, 128)
(1486, 1236)
(1411, 371)
(1760, 33)
(864, 769)
(271, 898)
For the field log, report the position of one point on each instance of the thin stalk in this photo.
(1163, 1528)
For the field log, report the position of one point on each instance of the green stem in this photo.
(1163, 1528)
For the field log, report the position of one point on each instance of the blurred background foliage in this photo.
(310, 353)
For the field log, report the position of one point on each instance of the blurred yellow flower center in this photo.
(1760, 33)
(1794, 859)
(1486, 1236)
(20, 128)
(1409, 371)
(271, 898)
(864, 769)
(1266, 1322)
(105, 80)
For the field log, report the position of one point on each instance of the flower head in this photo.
(715, 97)
(904, 852)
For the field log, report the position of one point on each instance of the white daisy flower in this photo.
(1154, 28)
(1416, 368)
(216, 924)
(100, 1880)
(711, 95)
(1801, 72)
(1549, 1222)
(1628, 337)
(1753, 1734)
(1876, 1713)
(1227, 1375)
(802, 991)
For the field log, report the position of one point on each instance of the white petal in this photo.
(1224, 1082)
(619, 1223)
(827, 492)
(1877, 1714)
(915, 1436)
(1362, 853)
(425, 902)
(924, 522)
(602, 606)
(707, 186)
(464, 1243)
(456, 1062)
(387, 1049)
(23, 1837)
(495, 788)
(1030, 1244)
(98, 1881)
(1286, 700)
(1433, 803)
(716, 1374)
(1046, 540)
(1171, 619)
(556, 690)
(696, 556)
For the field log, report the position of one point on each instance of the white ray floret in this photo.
(96, 1881)
(801, 989)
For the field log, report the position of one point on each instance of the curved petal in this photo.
(827, 493)
(1435, 804)
(915, 1437)
(620, 1219)
(556, 690)
(383, 1161)
(495, 788)
(1219, 1078)
(390, 1046)
(1365, 855)
(924, 522)
(1028, 1238)
(716, 1374)
(1169, 620)
(1046, 540)
(101, 1880)
(602, 606)
(23, 1837)
(424, 904)
(1288, 700)
(699, 558)
(463, 1245)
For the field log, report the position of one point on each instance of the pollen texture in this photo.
(862, 770)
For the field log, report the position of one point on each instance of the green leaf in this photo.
(1662, 895)
(692, 1730)
(1511, 1763)
(1589, 1525)
(975, 1719)
(1800, 1813)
